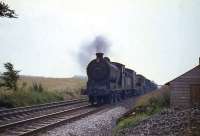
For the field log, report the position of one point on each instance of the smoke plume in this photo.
(87, 52)
(100, 44)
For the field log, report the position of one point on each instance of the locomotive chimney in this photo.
(99, 55)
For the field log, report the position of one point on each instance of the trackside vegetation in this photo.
(18, 90)
(146, 106)
(26, 97)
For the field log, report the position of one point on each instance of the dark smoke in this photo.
(100, 44)
(88, 51)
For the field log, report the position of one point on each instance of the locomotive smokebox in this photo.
(99, 55)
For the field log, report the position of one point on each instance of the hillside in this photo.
(58, 84)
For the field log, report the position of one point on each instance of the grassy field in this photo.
(59, 84)
(145, 106)
(69, 87)
(36, 90)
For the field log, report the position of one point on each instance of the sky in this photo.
(157, 38)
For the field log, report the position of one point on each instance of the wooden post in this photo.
(199, 60)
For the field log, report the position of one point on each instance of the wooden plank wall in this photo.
(181, 87)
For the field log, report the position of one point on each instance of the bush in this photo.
(9, 77)
(37, 87)
(153, 102)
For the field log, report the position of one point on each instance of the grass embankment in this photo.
(69, 88)
(38, 90)
(27, 97)
(146, 106)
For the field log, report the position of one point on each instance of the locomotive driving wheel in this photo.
(91, 100)
(111, 98)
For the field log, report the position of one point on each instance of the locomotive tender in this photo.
(109, 82)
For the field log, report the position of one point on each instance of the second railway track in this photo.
(34, 125)
(31, 120)
(13, 117)
(21, 110)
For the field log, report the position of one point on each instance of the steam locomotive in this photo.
(110, 82)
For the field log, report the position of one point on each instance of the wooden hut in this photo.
(185, 89)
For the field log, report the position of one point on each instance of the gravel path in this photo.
(98, 124)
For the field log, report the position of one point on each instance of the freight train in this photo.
(110, 82)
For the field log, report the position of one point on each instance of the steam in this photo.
(87, 52)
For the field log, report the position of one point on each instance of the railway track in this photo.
(29, 121)
(37, 124)
(17, 114)
(20, 110)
